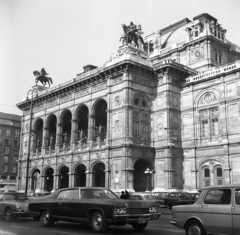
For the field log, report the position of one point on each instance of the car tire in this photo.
(194, 227)
(140, 227)
(99, 223)
(36, 218)
(47, 219)
(8, 214)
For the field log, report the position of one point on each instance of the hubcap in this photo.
(194, 230)
(97, 221)
(45, 218)
(8, 214)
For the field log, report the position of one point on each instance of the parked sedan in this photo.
(98, 206)
(146, 197)
(13, 205)
(184, 199)
(217, 211)
(167, 197)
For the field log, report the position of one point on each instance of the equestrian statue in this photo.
(132, 34)
(41, 77)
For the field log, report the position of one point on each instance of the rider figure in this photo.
(132, 27)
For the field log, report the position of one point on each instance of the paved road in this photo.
(26, 226)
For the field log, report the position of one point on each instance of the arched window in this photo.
(218, 176)
(206, 177)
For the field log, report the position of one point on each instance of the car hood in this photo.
(136, 203)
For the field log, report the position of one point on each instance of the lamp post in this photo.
(30, 134)
(148, 172)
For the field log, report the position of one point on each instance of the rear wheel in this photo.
(99, 222)
(8, 214)
(140, 227)
(47, 219)
(194, 227)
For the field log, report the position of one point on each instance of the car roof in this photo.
(224, 186)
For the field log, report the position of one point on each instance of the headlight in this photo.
(153, 209)
(120, 210)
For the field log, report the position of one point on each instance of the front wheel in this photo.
(47, 219)
(140, 227)
(8, 214)
(194, 227)
(99, 222)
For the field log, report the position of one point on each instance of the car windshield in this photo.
(14, 196)
(97, 193)
(162, 194)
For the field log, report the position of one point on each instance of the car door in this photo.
(215, 211)
(236, 212)
(68, 201)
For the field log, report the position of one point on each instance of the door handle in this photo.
(204, 206)
(59, 203)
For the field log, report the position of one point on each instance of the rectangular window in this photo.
(237, 196)
(16, 133)
(6, 150)
(5, 159)
(16, 143)
(8, 132)
(220, 59)
(214, 127)
(216, 57)
(5, 168)
(135, 129)
(218, 196)
(7, 141)
(15, 159)
(14, 169)
(204, 128)
(145, 131)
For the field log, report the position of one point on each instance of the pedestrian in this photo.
(127, 194)
(122, 195)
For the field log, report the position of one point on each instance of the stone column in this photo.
(55, 181)
(168, 170)
(74, 132)
(59, 135)
(91, 129)
(88, 178)
(45, 138)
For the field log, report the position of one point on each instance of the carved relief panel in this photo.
(117, 124)
(159, 127)
(117, 100)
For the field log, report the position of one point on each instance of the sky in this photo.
(62, 36)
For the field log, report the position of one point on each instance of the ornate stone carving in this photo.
(52, 103)
(49, 161)
(117, 100)
(99, 87)
(159, 101)
(117, 126)
(81, 93)
(66, 98)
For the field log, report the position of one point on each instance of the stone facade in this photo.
(165, 119)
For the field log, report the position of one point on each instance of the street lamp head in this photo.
(147, 171)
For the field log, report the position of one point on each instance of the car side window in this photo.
(69, 194)
(218, 196)
(237, 196)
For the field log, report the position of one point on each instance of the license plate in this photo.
(142, 221)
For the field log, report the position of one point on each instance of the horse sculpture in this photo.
(42, 77)
(131, 35)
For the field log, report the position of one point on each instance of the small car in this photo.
(216, 211)
(146, 197)
(97, 206)
(13, 205)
